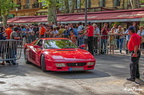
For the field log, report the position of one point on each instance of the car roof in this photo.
(53, 38)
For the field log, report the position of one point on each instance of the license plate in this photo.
(76, 69)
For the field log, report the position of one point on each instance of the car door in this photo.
(35, 52)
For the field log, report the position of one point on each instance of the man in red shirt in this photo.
(134, 47)
(104, 38)
(90, 34)
(42, 31)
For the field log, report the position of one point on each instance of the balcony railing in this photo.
(94, 9)
(36, 5)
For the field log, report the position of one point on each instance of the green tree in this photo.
(52, 9)
(5, 7)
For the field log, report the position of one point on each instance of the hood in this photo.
(70, 54)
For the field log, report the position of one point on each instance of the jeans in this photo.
(80, 41)
(13, 54)
(103, 45)
(120, 44)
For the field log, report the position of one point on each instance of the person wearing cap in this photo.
(134, 48)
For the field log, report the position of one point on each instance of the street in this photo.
(108, 78)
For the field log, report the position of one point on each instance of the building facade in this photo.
(26, 7)
(33, 7)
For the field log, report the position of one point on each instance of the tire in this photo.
(26, 59)
(43, 65)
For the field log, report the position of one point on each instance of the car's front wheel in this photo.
(43, 65)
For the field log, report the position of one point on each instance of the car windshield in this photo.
(58, 44)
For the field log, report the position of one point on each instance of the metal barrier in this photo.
(111, 44)
(10, 49)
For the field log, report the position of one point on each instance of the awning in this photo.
(102, 16)
(21, 20)
(40, 19)
(110, 16)
(11, 20)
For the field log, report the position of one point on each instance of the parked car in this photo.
(58, 54)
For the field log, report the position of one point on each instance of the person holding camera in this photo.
(104, 37)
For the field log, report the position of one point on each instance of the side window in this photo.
(39, 43)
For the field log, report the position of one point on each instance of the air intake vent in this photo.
(76, 64)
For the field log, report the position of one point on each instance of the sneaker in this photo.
(131, 79)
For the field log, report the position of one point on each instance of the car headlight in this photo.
(60, 65)
(90, 63)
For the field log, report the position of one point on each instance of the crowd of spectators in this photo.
(91, 35)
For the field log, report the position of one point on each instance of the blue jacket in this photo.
(2, 37)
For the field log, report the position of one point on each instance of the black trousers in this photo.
(134, 65)
(90, 45)
(96, 43)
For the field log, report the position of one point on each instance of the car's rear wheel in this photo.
(26, 57)
(43, 65)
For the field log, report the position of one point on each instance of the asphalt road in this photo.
(108, 78)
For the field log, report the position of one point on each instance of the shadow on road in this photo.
(41, 89)
(13, 71)
(80, 74)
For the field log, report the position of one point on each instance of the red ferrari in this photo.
(58, 54)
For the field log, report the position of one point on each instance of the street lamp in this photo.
(85, 12)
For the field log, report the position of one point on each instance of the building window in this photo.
(116, 3)
(102, 3)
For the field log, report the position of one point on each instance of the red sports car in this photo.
(58, 54)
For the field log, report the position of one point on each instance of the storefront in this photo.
(136, 15)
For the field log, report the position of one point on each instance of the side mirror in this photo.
(82, 46)
(36, 46)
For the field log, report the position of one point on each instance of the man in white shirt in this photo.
(141, 33)
(96, 37)
(80, 32)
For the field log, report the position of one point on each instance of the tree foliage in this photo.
(52, 9)
(5, 7)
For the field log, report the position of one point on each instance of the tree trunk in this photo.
(4, 20)
(52, 14)
(73, 2)
(66, 6)
(135, 3)
(89, 3)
